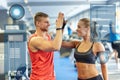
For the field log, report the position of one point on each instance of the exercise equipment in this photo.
(15, 40)
(100, 27)
(100, 22)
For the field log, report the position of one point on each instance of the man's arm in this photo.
(45, 45)
(55, 44)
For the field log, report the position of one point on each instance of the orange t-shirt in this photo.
(42, 64)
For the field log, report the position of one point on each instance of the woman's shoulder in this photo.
(98, 46)
(77, 43)
(98, 43)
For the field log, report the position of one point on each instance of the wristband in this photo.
(64, 23)
(59, 28)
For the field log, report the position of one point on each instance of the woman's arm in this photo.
(104, 71)
(99, 50)
(69, 44)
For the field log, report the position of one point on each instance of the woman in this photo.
(86, 52)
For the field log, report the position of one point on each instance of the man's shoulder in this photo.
(34, 37)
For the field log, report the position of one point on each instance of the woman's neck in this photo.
(86, 39)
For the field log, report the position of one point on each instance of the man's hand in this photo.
(59, 21)
(64, 23)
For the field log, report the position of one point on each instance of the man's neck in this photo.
(40, 33)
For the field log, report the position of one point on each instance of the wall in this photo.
(3, 17)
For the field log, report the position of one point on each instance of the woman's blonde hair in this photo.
(86, 21)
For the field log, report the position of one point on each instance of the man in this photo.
(41, 47)
(115, 41)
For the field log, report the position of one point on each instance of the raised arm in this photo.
(45, 45)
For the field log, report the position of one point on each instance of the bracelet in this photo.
(59, 28)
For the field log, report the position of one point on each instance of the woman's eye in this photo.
(78, 26)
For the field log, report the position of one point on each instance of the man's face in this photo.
(43, 24)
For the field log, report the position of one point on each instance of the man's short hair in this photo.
(39, 15)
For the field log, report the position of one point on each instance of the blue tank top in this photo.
(85, 57)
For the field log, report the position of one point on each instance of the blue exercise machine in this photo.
(15, 52)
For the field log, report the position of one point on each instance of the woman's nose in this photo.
(76, 30)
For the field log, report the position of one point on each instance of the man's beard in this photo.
(45, 30)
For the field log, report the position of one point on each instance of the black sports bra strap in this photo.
(92, 45)
(78, 45)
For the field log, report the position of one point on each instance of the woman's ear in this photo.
(88, 27)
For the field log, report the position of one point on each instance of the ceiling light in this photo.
(16, 11)
(26, 1)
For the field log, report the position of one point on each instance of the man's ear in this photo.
(37, 22)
